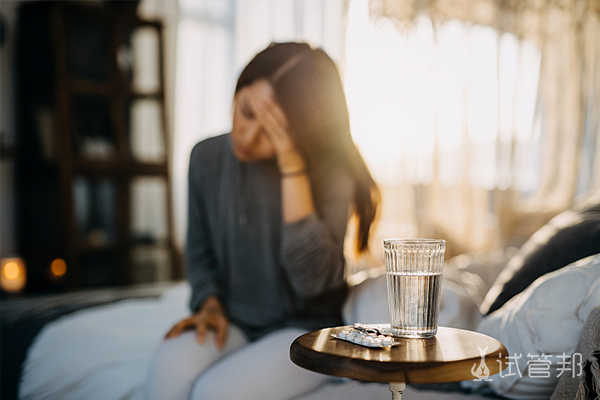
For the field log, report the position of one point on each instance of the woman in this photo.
(268, 209)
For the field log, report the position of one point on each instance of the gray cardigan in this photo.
(268, 274)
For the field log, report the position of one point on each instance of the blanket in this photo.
(588, 383)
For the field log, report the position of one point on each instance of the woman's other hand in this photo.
(275, 125)
(210, 316)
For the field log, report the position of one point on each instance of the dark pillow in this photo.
(568, 237)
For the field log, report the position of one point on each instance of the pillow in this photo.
(367, 302)
(545, 319)
(570, 236)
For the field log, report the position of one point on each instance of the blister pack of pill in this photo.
(366, 335)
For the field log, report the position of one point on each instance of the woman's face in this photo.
(249, 140)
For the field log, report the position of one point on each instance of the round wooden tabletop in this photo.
(449, 356)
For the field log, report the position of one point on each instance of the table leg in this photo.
(397, 388)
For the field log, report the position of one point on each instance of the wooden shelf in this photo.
(79, 85)
(101, 167)
(114, 13)
(147, 169)
(83, 86)
(88, 90)
(133, 94)
(87, 247)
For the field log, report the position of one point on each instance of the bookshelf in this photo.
(93, 180)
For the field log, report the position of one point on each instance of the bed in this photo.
(98, 346)
(21, 319)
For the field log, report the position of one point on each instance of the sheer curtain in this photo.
(216, 39)
(480, 119)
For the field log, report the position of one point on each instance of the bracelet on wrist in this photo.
(293, 174)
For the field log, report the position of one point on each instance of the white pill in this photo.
(341, 335)
(357, 340)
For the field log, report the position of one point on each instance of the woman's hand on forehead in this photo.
(275, 124)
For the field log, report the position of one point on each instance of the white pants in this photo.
(182, 369)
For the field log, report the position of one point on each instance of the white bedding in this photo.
(545, 319)
(102, 353)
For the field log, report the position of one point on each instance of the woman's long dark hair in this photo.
(309, 89)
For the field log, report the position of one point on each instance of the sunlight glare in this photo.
(416, 94)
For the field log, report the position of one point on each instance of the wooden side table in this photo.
(452, 355)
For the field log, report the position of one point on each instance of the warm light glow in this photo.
(13, 276)
(58, 267)
(426, 103)
(11, 270)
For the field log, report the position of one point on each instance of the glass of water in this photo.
(414, 282)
